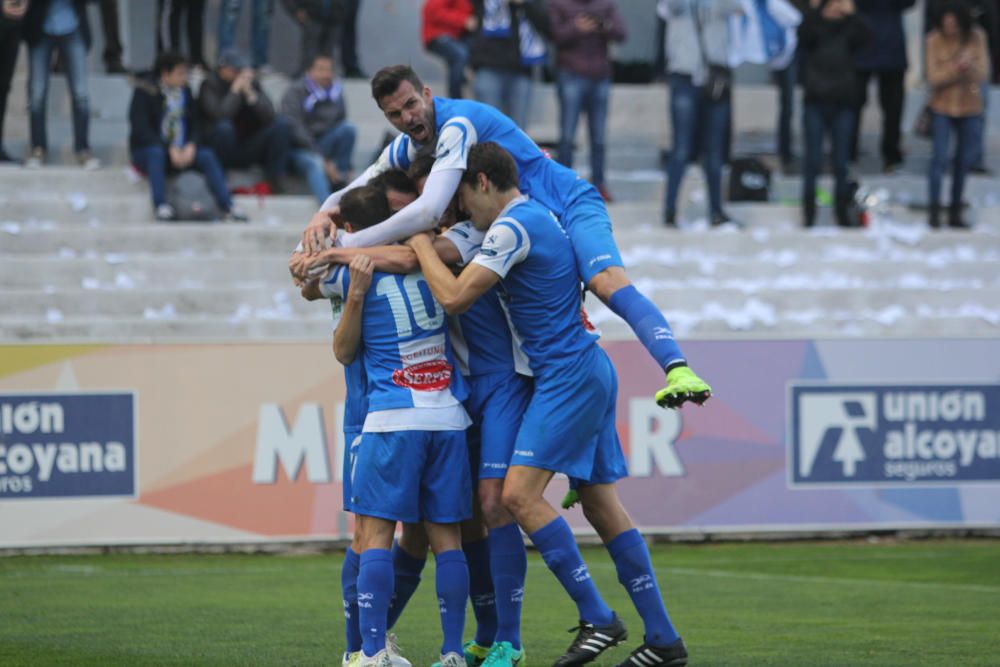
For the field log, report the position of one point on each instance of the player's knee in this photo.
(514, 500)
(491, 500)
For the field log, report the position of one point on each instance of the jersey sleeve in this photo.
(466, 238)
(457, 136)
(505, 245)
(335, 283)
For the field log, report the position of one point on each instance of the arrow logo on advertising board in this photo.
(849, 450)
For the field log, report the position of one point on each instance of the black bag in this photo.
(188, 193)
(749, 180)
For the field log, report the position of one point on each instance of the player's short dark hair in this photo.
(491, 159)
(394, 179)
(364, 207)
(388, 79)
(421, 165)
(168, 61)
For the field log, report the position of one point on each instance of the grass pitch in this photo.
(888, 603)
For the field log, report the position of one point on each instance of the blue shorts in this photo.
(413, 476)
(496, 404)
(569, 426)
(588, 225)
(352, 439)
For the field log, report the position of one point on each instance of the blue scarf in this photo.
(317, 94)
(497, 23)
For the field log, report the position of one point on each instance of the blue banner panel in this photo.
(912, 434)
(67, 445)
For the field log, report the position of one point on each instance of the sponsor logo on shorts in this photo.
(495, 466)
(581, 573)
(425, 376)
(599, 258)
(524, 452)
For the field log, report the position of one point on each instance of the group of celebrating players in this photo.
(463, 248)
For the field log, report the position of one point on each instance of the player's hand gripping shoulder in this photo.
(683, 386)
(320, 227)
(361, 269)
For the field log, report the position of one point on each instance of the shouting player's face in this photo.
(411, 112)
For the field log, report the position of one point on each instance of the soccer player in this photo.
(412, 462)
(569, 425)
(452, 127)
(489, 357)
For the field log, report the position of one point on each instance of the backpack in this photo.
(188, 193)
(749, 180)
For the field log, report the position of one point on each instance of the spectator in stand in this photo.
(581, 32)
(504, 51)
(53, 25)
(321, 22)
(829, 37)
(322, 135)
(112, 55)
(229, 16)
(11, 15)
(785, 75)
(446, 26)
(163, 136)
(957, 65)
(885, 59)
(168, 37)
(243, 128)
(697, 51)
(349, 41)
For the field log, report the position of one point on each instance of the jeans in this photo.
(890, 98)
(818, 120)
(349, 37)
(506, 90)
(310, 164)
(10, 44)
(690, 113)
(786, 79)
(455, 53)
(576, 94)
(268, 147)
(168, 36)
(74, 55)
(966, 130)
(229, 16)
(337, 145)
(155, 163)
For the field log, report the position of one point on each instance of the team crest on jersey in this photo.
(426, 376)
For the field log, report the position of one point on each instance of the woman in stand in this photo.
(957, 64)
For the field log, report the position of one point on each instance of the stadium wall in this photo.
(241, 443)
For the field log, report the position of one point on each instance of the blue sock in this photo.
(349, 584)
(477, 555)
(509, 564)
(407, 579)
(452, 592)
(648, 323)
(635, 572)
(374, 593)
(559, 551)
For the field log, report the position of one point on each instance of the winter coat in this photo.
(828, 48)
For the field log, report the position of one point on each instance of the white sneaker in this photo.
(380, 659)
(36, 159)
(351, 659)
(452, 660)
(392, 648)
(166, 213)
(87, 160)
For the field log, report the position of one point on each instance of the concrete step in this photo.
(264, 301)
(752, 318)
(634, 233)
(681, 270)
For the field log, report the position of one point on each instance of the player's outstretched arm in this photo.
(347, 337)
(455, 294)
(419, 216)
(683, 386)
